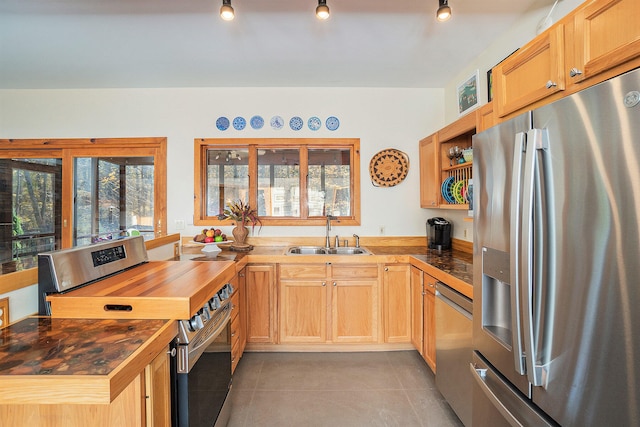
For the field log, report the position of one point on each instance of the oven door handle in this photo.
(189, 354)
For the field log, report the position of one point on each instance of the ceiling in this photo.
(271, 43)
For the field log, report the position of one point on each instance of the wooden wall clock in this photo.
(388, 168)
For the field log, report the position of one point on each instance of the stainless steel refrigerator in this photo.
(556, 332)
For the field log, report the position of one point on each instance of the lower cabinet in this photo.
(158, 391)
(423, 315)
(396, 283)
(328, 303)
(261, 301)
(238, 318)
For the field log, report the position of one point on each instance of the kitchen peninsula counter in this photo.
(76, 361)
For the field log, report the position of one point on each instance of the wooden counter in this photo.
(76, 361)
(155, 290)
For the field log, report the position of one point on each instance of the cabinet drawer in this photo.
(368, 271)
(303, 271)
(235, 331)
(235, 305)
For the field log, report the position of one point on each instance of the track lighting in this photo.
(322, 11)
(226, 11)
(444, 11)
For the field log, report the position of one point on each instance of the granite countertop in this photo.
(47, 360)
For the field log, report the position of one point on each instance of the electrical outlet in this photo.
(465, 233)
(382, 230)
(179, 224)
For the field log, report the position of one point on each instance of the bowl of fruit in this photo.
(210, 236)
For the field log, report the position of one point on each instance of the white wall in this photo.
(381, 118)
(523, 31)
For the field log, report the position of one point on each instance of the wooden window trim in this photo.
(67, 149)
(201, 145)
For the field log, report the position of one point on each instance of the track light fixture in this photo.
(444, 11)
(226, 11)
(322, 11)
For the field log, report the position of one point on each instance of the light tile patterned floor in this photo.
(337, 389)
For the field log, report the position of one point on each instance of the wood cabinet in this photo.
(144, 402)
(238, 318)
(436, 167)
(595, 42)
(423, 315)
(417, 309)
(429, 327)
(396, 285)
(485, 117)
(158, 391)
(328, 303)
(429, 172)
(532, 73)
(605, 34)
(261, 303)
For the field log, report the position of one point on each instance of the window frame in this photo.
(67, 150)
(201, 145)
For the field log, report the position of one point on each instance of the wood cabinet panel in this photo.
(238, 318)
(303, 312)
(354, 311)
(350, 271)
(158, 391)
(261, 304)
(303, 271)
(396, 283)
(429, 349)
(429, 172)
(417, 309)
(534, 72)
(606, 33)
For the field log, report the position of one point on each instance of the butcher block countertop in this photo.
(155, 290)
(47, 361)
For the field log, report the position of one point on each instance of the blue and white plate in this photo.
(277, 122)
(314, 123)
(239, 123)
(257, 122)
(446, 190)
(222, 123)
(296, 123)
(332, 123)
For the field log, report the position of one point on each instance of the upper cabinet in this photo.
(532, 73)
(443, 179)
(605, 33)
(597, 41)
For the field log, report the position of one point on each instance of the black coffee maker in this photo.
(439, 233)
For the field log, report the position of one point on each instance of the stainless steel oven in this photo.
(201, 368)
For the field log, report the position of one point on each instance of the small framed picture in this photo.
(468, 94)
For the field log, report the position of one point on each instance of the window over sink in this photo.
(289, 181)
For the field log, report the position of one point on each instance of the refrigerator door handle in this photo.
(514, 260)
(535, 141)
(480, 377)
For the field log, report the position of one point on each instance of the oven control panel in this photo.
(189, 328)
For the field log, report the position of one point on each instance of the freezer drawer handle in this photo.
(479, 376)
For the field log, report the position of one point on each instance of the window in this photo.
(289, 181)
(61, 193)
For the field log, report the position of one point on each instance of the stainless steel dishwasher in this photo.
(453, 349)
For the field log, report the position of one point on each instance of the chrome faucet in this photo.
(357, 240)
(327, 242)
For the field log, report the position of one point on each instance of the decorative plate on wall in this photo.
(296, 123)
(314, 123)
(239, 123)
(257, 122)
(388, 168)
(277, 122)
(222, 123)
(332, 123)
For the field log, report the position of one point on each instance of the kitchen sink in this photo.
(320, 250)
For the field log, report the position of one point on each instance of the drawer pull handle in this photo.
(551, 84)
(118, 307)
(574, 72)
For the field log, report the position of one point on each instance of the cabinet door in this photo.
(429, 172)
(260, 296)
(354, 308)
(396, 284)
(606, 33)
(417, 308)
(157, 385)
(429, 351)
(303, 311)
(533, 73)
(485, 117)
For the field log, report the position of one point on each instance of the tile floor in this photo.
(337, 389)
